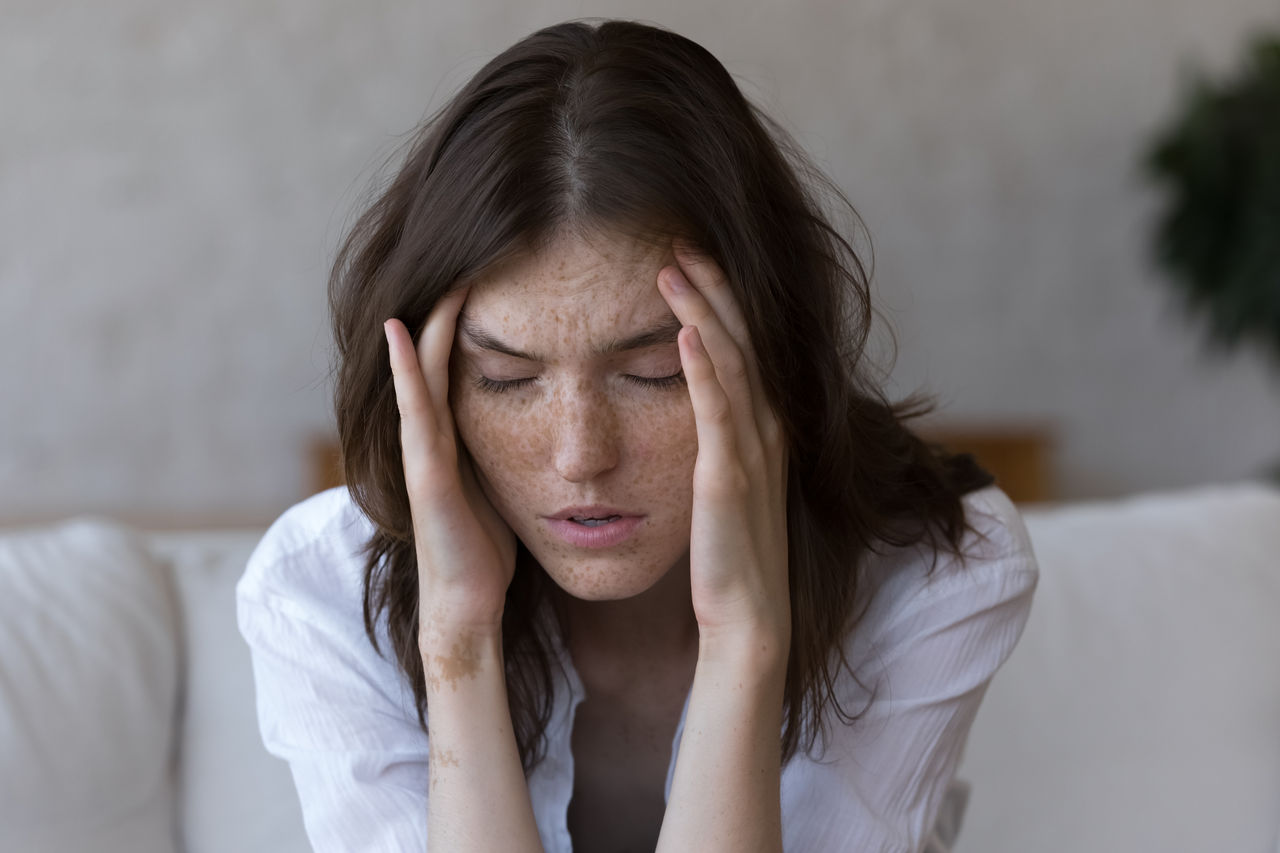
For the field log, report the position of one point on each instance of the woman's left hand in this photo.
(738, 547)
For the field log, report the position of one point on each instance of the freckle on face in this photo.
(581, 432)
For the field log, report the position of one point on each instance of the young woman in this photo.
(634, 554)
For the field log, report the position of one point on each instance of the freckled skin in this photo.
(581, 432)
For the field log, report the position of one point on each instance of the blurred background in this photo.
(175, 178)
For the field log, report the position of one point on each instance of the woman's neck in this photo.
(656, 626)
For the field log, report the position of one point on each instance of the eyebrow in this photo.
(665, 332)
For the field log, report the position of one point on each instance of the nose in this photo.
(586, 435)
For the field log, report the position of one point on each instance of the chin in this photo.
(601, 579)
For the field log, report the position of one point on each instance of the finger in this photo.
(692, 309)
(713, 418)
(434, 346)
(706, 276)
(729, 363)
(712, 284)
(419, 429)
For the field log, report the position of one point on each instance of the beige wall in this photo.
(174, 178)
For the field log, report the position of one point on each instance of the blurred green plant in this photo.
(1218, 160)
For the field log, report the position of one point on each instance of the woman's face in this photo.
(567, 391)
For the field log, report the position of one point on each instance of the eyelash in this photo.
(498, 386)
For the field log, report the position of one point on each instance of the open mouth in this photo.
(594, 522)
(595, 531)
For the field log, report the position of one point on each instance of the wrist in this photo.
(454, 651)
(757, 652)
(454, 609)
(444, 625)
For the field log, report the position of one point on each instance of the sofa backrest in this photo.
(1141, 709)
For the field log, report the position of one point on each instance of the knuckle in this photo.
(735, 367)
(771, 433)
(417, 483)
(411, 410)
(704, 315)
(428, 477)
(719, 414)
(753, 458)
(716, 279)
(704, 266)
(735, 480)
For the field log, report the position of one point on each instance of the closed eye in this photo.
(498, 386)
(671, 381)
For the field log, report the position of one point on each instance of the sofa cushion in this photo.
(88, 689)
(233, 794)
(1141, 710)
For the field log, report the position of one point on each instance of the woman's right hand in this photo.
(466, 552)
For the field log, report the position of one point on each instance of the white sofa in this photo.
(1141, 711)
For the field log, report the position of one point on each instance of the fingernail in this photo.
(675, 280)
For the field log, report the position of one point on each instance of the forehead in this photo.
(575, 277)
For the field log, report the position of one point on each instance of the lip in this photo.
(593, 511)
(601, 536)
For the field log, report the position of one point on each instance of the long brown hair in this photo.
(636, 129)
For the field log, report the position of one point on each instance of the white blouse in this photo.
(343, 716)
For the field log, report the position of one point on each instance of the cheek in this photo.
(665, 446)
(500, 439)
(664, 425)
